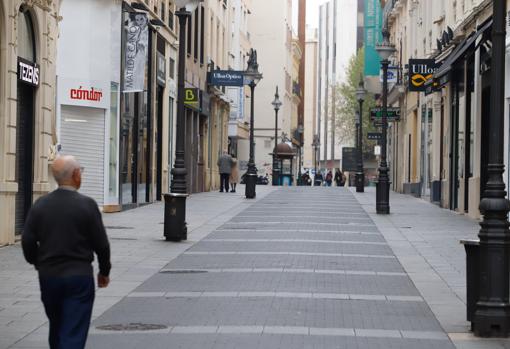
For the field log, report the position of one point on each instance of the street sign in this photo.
(374, 136)
(349, 159)
(393, 114)
(421, 71)
(225, 78)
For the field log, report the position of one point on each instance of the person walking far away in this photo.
(339, 178)
(234, 175)
(225, 163)
(62, 232)
(329, 178)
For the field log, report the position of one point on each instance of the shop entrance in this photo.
(24, 153)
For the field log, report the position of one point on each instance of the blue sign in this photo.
(226, 78)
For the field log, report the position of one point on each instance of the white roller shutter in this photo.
(82, 135)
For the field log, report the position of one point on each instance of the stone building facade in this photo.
(28, 36)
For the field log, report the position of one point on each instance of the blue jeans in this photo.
(68, 303)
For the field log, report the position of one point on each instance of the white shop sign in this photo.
(84, 93)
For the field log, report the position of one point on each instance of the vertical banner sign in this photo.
(373, 36)
(136, 51)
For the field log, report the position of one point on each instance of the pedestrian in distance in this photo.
(62, 232)
(329, 178)
(318, 179)
(225, 163)
(234, 175)
(339, 178)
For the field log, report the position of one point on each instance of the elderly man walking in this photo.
(62, 231)
(225, 163)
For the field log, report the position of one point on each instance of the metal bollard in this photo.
(472, 248)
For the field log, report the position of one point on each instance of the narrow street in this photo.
(301, 268)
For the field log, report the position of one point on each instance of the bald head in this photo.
(66, 170)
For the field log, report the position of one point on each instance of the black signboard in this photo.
(349, 159)
(28, 72)
(393, 114)
(374, 136)
(421, 71)
(226, 78)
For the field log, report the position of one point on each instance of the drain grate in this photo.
(183, 271)
(132, 327)
(117, 227)
(122, 239)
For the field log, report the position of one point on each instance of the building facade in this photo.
(439, 148)
(310, 117)
(338, 42)
(28, 34)
(272, 37)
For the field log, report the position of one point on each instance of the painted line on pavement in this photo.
(289, 270)
(300, 240)
(300, 231)
(261, 253)
(315, 223)
(289, 330)
(259, 294)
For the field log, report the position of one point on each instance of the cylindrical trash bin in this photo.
(472, 248)
(175, 228)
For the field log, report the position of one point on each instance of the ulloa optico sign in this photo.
(421, 71)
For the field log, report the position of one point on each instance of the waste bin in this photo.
(472, 248)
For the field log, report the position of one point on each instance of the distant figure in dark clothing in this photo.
(339, 178)
(225, 163)
(62, 231)
(318, 179)
(329, 178)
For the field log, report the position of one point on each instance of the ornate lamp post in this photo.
(385, 50)
(253, 75)
(276, 168)
(175, 228)
(492, 311)
(360, 173)
(316, 144)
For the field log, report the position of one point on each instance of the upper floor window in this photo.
(26, 37)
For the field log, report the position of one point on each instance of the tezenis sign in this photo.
(28, 72)
(421, 71)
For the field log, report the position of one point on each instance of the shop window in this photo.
(26, 39)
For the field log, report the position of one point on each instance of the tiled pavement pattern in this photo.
(302, 268)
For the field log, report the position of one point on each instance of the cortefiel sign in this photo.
(28, 72)
(226, 78)
(421, 71)
(392, 114)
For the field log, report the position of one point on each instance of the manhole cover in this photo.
(183, 271)
(132, 327)
(118, 227)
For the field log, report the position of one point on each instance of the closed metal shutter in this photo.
(82, 135)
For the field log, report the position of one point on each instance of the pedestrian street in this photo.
(300, 268)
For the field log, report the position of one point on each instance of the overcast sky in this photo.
(312, 12)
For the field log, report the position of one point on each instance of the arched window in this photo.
(26, 37)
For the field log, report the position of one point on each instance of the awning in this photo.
(465, 46)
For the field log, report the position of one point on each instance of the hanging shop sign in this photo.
(225, 78)
(192, 97)
(420, 72)
(393, 114)
(135, 51)
(161, 69)
(392, 75)
(28, 72)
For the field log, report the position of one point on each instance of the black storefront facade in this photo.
(463, 82)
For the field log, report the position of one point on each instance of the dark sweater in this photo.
(62, 231)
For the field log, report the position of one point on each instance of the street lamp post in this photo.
(316, 144)
(254, 76)
(175, 228)
(276, 168)
(360, 174)
(385, 50)
(492, 311)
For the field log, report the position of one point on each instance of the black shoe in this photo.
(221, 191)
